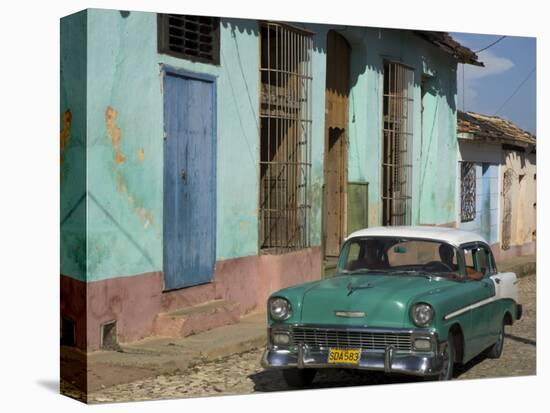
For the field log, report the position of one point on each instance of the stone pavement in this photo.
(242, 373)
(226, 360)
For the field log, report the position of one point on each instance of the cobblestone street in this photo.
(242, 373)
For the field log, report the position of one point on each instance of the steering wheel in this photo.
(438, 266)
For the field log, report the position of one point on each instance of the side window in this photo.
(482, 260)
(478, 262)
(353, 253)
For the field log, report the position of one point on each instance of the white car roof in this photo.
(452, 236)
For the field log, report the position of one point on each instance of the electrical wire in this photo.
(516, 91)
(491, 45)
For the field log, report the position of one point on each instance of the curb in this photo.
(236, 348)
(150, 363)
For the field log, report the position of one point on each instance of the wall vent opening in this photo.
(194, 38)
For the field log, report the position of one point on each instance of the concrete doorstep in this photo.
(166, 355)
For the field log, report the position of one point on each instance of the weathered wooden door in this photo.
(189, 179)
(336, 136)
(507, 209)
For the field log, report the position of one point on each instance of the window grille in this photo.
(285, 136)
(398, 102)
(190, 37)
(467, 191)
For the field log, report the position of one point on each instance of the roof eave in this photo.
(446, 43)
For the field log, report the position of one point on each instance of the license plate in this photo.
(336, 355)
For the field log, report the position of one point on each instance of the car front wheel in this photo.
(448, 360)
(299, 378)
(495, 350)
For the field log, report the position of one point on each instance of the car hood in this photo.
(385, 299)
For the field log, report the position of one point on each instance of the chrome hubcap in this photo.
(500, 339)
(446, 363)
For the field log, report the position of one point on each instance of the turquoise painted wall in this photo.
(434, 147)
(124, 79)
(124, 147)
(73, 144)
(434, 141)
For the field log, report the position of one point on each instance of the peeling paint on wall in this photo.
(115, 135)
(65, 134)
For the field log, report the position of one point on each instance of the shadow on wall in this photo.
(352, 35)
(369, 50)
(438, 85)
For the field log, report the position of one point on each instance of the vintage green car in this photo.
(412, 300)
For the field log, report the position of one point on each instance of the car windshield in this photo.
(398, 256)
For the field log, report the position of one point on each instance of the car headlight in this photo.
(279, 308)
(422, 314)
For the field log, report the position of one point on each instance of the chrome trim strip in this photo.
(427, 364)
(471, 307)
(388, 359)
(364, 328)
(300, 360)
(350, 314)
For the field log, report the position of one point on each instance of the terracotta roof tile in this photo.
(493, 128)
(445, 42)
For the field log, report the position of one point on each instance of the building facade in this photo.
(206, 162)
(497, 183)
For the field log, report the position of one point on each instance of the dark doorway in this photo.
(336, 138)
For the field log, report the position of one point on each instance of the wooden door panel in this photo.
(336, 124)
(189, 181)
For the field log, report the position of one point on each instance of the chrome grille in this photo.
(363, 340)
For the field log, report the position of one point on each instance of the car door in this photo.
(479, 269)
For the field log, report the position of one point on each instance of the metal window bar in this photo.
(467, 191)
(285, 136)
(191, 37)
(398, 103)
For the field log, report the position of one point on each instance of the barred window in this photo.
(285, 136)
(190, 37)
(467, 191)
(397, 144)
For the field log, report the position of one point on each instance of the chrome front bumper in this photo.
(390, 360)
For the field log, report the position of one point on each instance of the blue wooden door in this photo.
(189, 179)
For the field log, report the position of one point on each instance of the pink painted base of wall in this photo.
(135, 301)
(529, 248)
